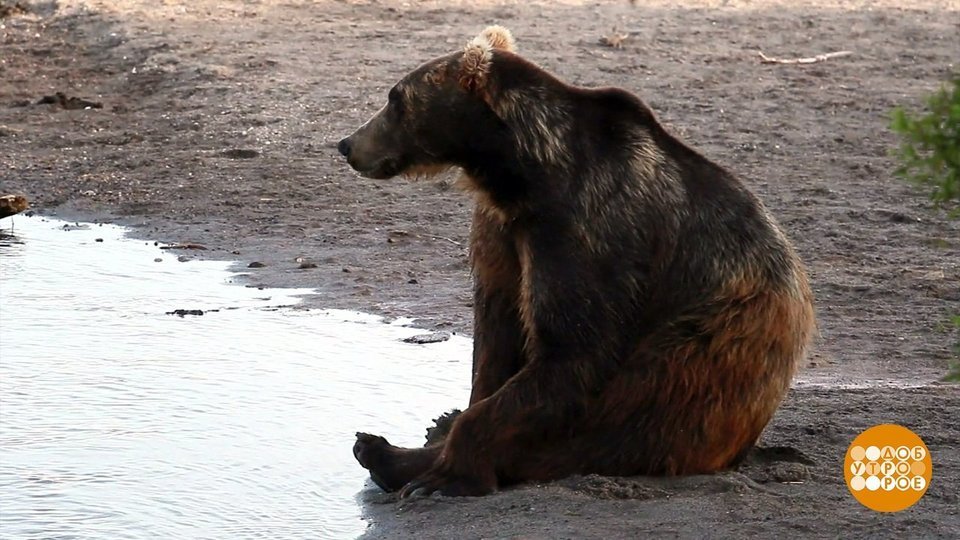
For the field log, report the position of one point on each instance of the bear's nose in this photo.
(344, 147)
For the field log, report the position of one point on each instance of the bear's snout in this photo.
(344, 147)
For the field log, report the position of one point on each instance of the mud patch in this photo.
(776, 464)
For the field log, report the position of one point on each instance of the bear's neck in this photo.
(523, 143)
(497, 176)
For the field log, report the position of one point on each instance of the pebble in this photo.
(423, 339)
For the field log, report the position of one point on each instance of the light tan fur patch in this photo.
(422, 172)
(478, 55)
(526, 306)
(475, 65)
(540, 121)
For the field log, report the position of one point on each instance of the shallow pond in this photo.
(118, 420)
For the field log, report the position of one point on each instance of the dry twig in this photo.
(451, 240)
(764, 59)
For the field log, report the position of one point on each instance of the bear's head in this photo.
(438, 116)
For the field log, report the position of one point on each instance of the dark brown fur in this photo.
(637, 310)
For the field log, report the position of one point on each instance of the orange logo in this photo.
(888, 468)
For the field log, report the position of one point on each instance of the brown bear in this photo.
(637, 310)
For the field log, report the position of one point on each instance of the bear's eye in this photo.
(395, 100)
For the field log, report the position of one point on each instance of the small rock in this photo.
(423, 339)
(898, 217)
(183, 258)
(98, 240)
(185, 312)
(394, 236)
(185, 246)
(70, 103)
(307, 265)
(413, 281)
(256, 264)
(240, 153)
(158, 259)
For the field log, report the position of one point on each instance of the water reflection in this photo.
(120, 421)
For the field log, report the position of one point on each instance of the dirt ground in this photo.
(217, 126)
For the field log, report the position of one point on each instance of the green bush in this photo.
(929, 155)
(954, 374)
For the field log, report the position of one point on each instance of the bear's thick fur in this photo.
(637, 309)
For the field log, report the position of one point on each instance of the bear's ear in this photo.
(499, 38)
(478, 54)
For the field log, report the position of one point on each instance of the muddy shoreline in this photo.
(218, 124)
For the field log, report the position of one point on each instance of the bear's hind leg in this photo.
(392, 467)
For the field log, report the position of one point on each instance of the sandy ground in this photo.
(217, 127)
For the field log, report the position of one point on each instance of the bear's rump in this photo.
(684, 405)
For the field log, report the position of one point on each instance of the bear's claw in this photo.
(433, 482)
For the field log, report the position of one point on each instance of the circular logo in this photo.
(888, 468)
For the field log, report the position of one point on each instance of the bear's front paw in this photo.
(448, 486)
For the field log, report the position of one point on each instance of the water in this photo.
(120, 421)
